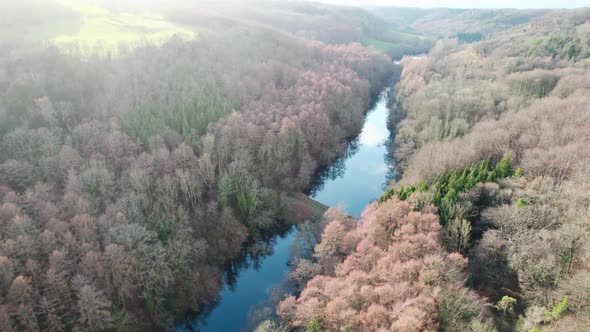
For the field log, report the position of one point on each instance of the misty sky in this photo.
(470, 3)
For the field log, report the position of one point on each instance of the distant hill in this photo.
(442, 22)
(88, 25)
(326, 23)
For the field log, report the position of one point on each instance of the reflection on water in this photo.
(255, 282)
(360, 178)
(333, 171)
(373, 135)
(248, 280)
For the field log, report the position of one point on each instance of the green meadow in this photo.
(92, 29)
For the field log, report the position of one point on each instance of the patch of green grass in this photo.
(109, 30)
(404, 35)
(97, 29)
(398, 41)
(378, 45)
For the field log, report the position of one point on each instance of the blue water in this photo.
(365, 172)
(252, 286)
(352, 184)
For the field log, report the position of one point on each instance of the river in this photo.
(351, 183)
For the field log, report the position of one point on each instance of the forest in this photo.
(486, 229)
(128, 179)
(147, 146)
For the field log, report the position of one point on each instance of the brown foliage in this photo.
(531, 230)
(112, 170)
(391, 281)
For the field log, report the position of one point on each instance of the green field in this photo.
(94, 29)
(379, 45)
(109, 30)
(397, 39)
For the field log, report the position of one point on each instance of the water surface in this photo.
(365, 171)
(351, 183)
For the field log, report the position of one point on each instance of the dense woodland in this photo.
(329, 24)
(445, 22)
(131, 179)
(127, 183)
(487, 229)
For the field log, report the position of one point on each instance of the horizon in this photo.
(465, 4)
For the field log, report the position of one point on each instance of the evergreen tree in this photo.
(504, 168)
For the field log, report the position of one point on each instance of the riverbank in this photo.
(300, 207)
(253, 289)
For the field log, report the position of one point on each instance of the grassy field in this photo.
(395, 39)
(89, 28)
(99, 26)
(379, 45)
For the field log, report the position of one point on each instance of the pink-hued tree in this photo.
(394, 280)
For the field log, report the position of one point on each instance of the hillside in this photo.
(154, 157)
(133, 172)
(83, 27)
(492, 139)
(329, 24)
(445, 22)
(112, 27)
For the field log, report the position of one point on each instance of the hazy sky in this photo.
(470, 3)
